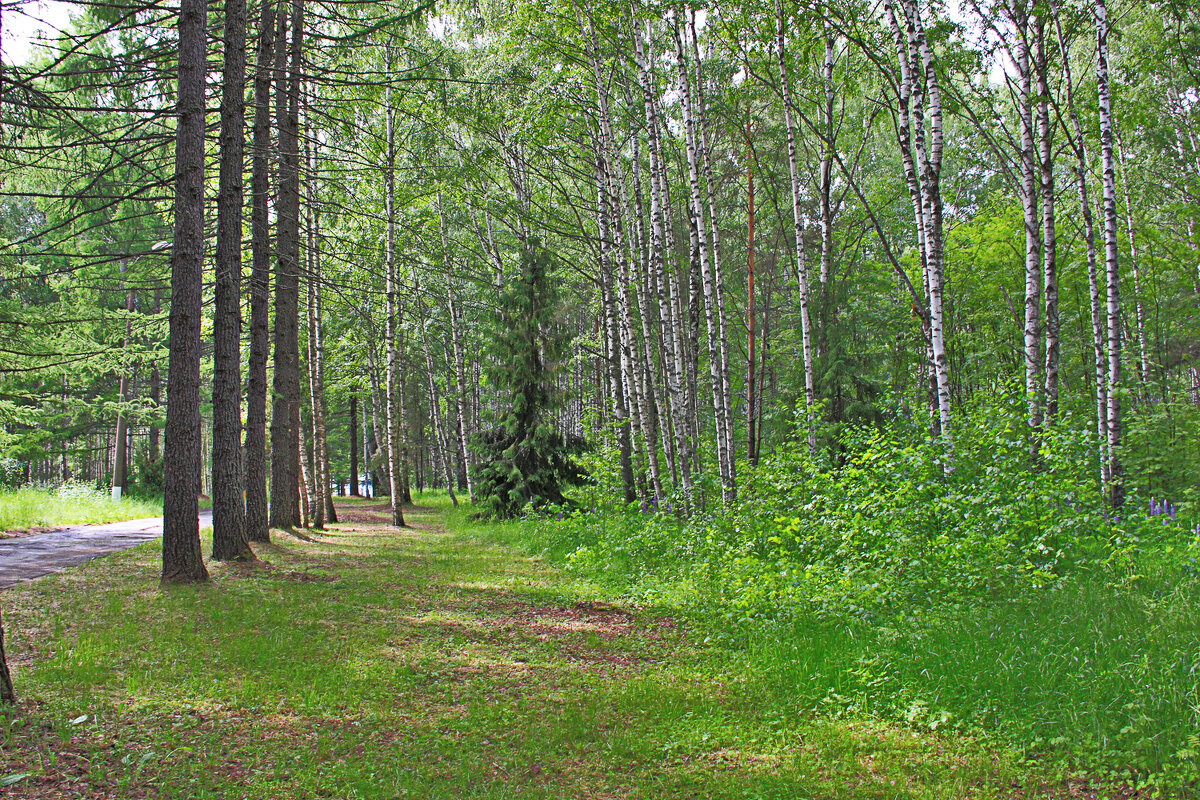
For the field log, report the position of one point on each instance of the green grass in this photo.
(1097, 673)
(428, 663)
(72, 504)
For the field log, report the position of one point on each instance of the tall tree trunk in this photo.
(1079, 145)
(618, 391)
(751, 416)
(459, 374)
(1049, 244)
(1116, 485)
(611, 179)
(798, 233)
(661, 256)
(701, 259)
(1134, 266)
(120, 437)
(304, 461)
(354, 490)
(229, 511)
(825, 176)
(931, 160)
(285, 433)
(1030, 212)
(155, 387)
(322, 511)
(921, 153)
(718, 289)
(317, 503)
(182, 560)
(392, 325)
(257, 526)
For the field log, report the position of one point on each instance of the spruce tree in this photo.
(524, 460)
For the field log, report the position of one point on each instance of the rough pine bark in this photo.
(285, 431)
(257, 526)
(229, 512)
(182, 559)
(7, 695)
(354, 490)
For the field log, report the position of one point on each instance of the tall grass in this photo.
(69, 504)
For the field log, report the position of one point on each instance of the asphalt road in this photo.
(29, 557)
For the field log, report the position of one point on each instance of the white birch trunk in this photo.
(1079, 146)
(1116, 488)
(798, 232)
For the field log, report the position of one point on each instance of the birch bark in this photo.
(672, 342)
(1048, 243)
(698, 236)
(1079, 146)
(798, 232)
(1116, 486)
(392, 387)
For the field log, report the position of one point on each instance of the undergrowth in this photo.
(880, 577)
(68, 504)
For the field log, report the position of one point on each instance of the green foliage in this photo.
(525, 460)
(987, 596)
(69, 504)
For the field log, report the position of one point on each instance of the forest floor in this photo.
(424, 663)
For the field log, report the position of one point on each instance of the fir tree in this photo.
(524, 459)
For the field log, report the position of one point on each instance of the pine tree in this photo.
(523, 458)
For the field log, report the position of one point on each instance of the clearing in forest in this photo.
(424, 663)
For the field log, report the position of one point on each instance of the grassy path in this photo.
(426, 664)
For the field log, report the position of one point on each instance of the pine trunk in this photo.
(354, 490)
(285, 431)
(6, 685)
(257, 527)
(229, 511)
(182, 559)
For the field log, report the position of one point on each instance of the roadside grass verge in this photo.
(70, 504)
(424, 663)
